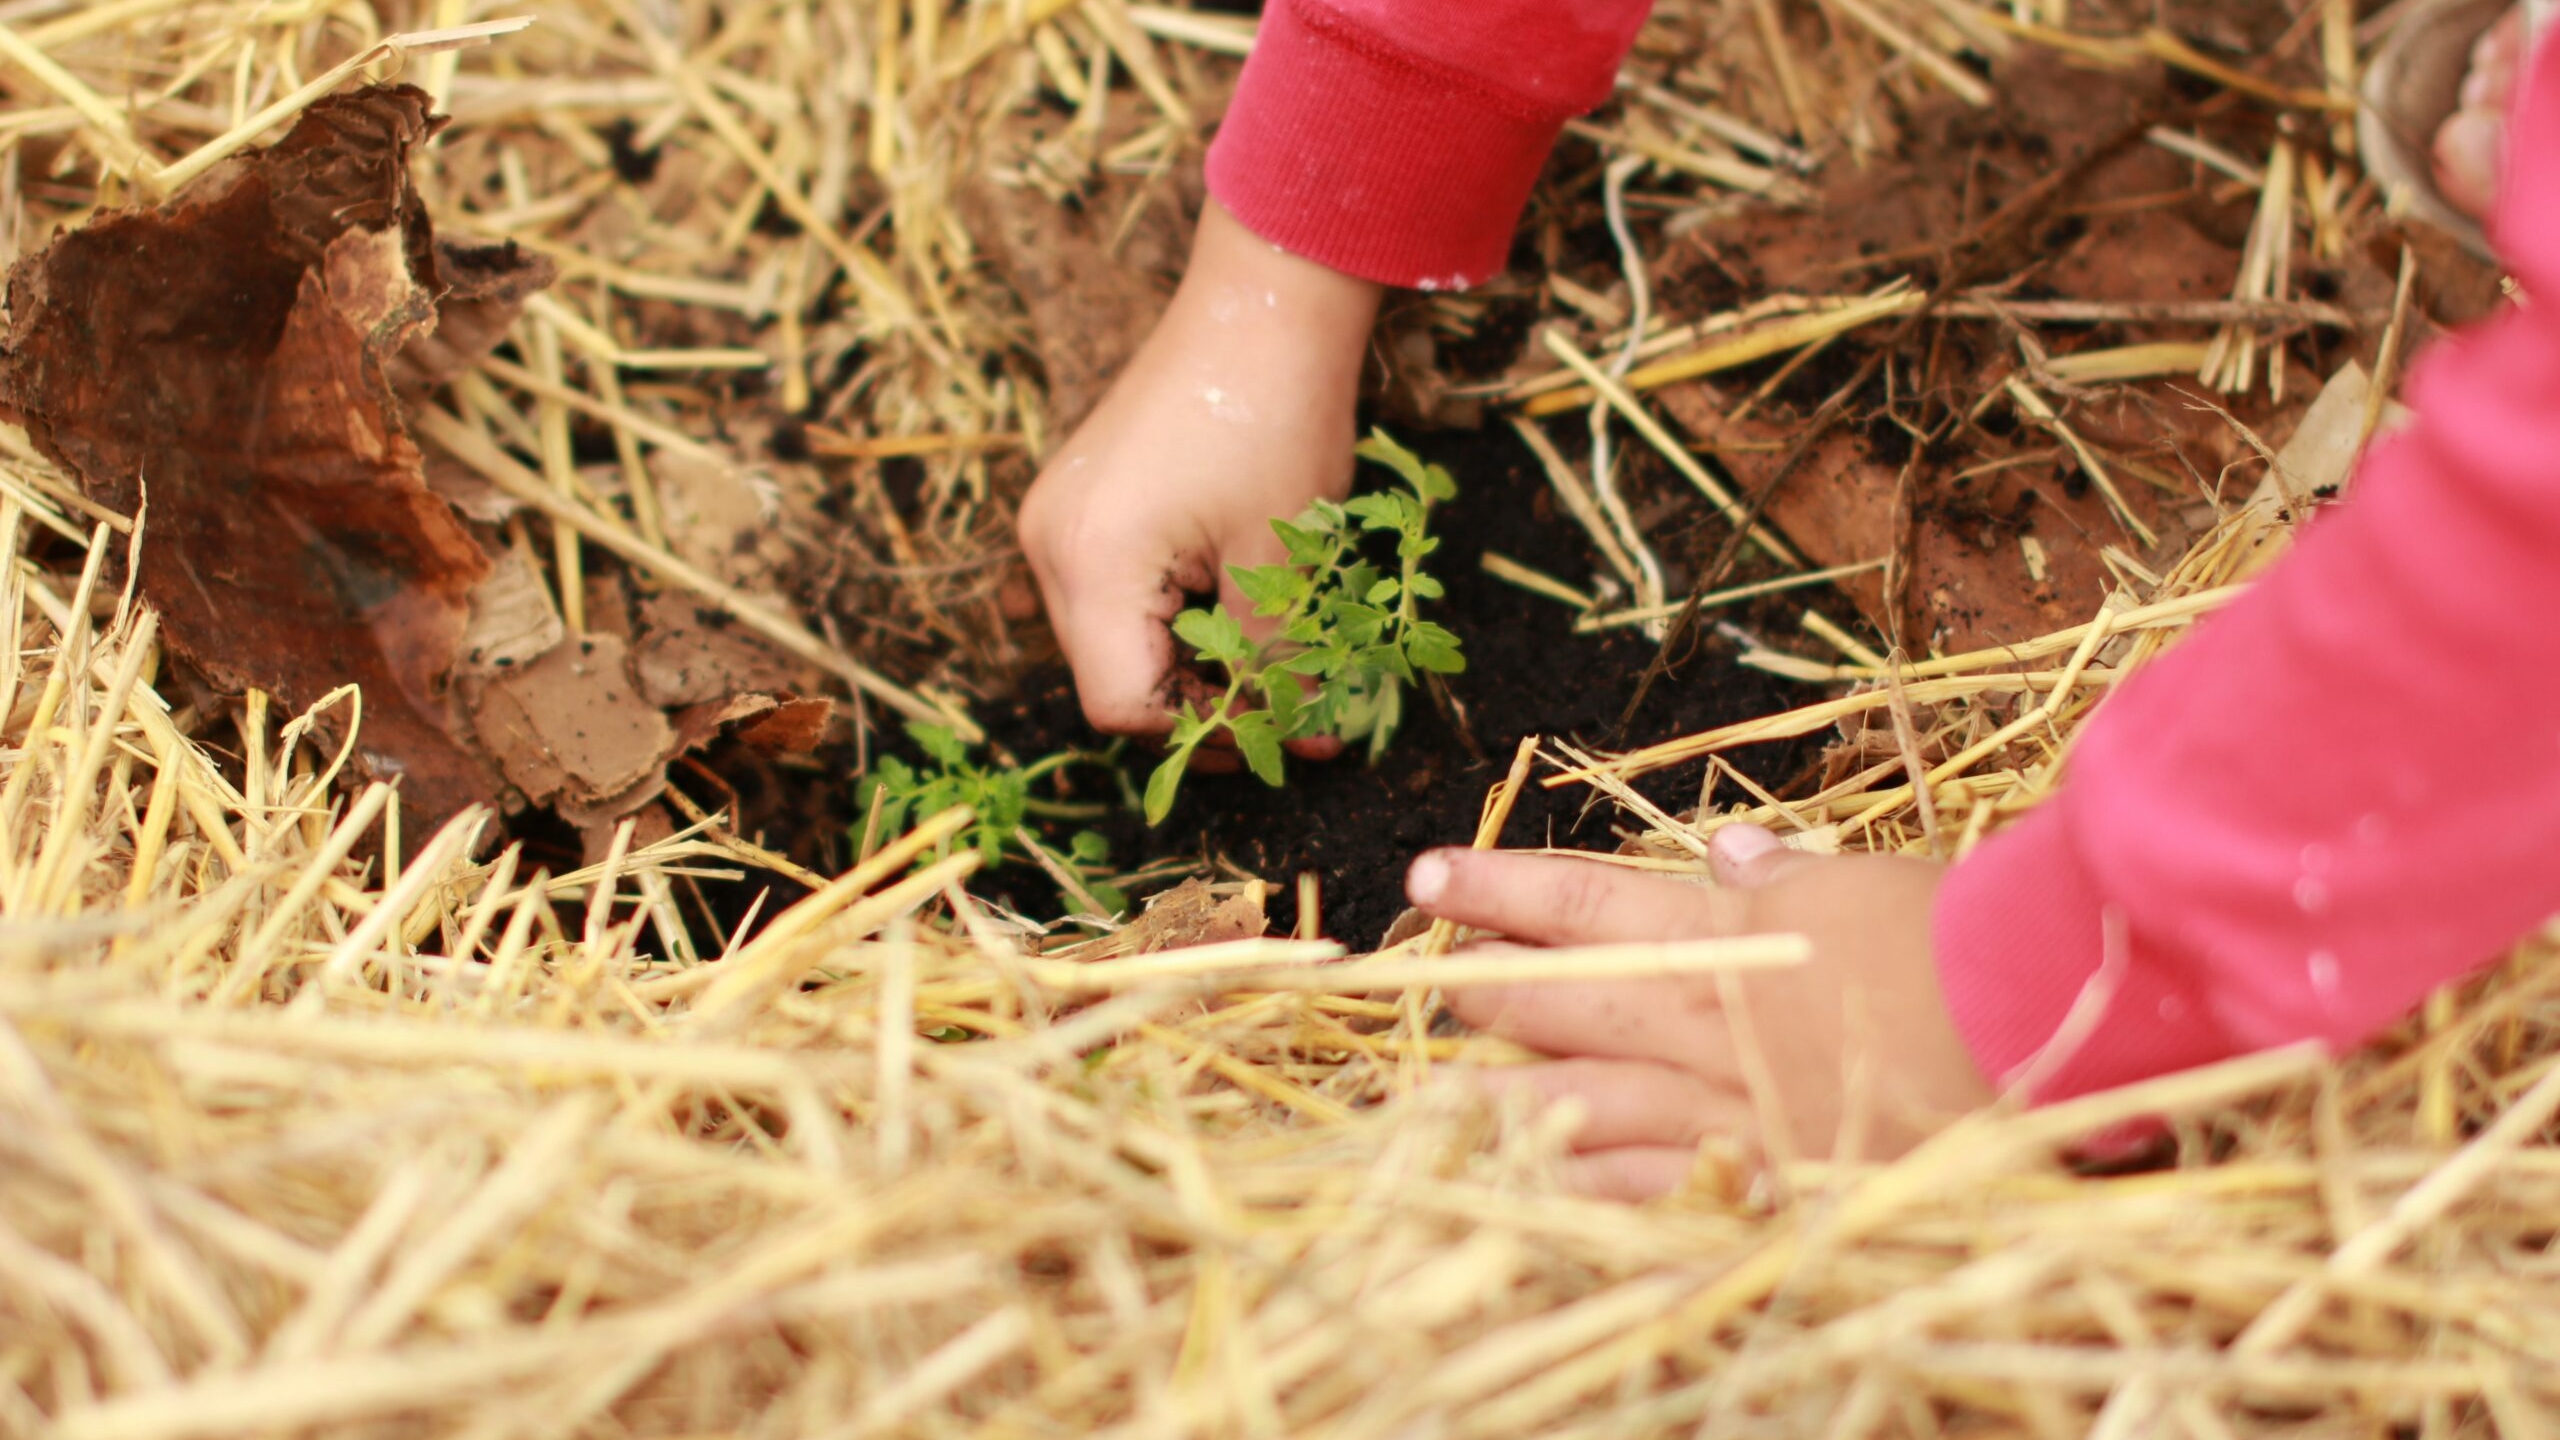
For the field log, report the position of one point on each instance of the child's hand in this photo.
(1653, 1061)
(1238, 411)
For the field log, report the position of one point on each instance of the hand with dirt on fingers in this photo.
(1655, 1062)
(1238, 411)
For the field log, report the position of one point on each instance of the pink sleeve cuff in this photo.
(1349, 151)
(2020, 934)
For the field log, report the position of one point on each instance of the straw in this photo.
(316, 1122)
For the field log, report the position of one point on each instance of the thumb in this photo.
(1745, 857)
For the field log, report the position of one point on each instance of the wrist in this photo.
(1239, 280)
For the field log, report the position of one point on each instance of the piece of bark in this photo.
(226, 356)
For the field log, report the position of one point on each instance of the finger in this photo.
(1626, 1102)
(1745, 856)
(1212, 761)
(1316, 747)
(1556, 901)
(2466, 156)
(1632, 1173)
(1672, 1022)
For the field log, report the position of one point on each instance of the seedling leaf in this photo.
(1215, 634)
(1439, 656)
(1306, 546)
(1349, 637)
(939, 741)
(1162, 785)
(1271, 588)
(1258, 740)
(1380, 449)
(1281, 690)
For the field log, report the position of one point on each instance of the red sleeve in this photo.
(2344, 791)
(1397, 140)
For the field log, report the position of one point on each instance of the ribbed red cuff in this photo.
(1349, 152)
(2020, 934)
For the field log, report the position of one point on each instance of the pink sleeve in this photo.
(1397, 140)
(2344, 791)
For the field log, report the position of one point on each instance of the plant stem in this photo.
(1065, 810)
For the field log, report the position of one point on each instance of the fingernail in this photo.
(1739, 845)
(1428, 879)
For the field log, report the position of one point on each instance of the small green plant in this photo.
(1351, 637)
(1000, 798)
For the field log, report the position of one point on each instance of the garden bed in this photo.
(623, 1095)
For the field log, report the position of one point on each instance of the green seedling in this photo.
(999, 796)
(1350, 637)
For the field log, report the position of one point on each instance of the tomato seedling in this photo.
(1000, 798)
(1350, 639)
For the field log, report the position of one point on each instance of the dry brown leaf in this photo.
(774, 724)
(513, 621)
(794, 726)
(1191, 913)
(570, 728)
(690, 653)
(1970, 583)
(226, 357)
(485, 287)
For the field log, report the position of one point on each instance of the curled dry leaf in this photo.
(794, 726)
(772, 724)
(228, 357)
(484, 289)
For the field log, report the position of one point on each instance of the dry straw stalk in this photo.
(312, 1127)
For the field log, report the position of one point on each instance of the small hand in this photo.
(1238, 411)
(1860, 1028)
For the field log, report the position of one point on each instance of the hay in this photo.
(315, 1127)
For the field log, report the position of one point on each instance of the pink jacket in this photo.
(2336, 796)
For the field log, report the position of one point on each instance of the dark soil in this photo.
(1354, 824)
